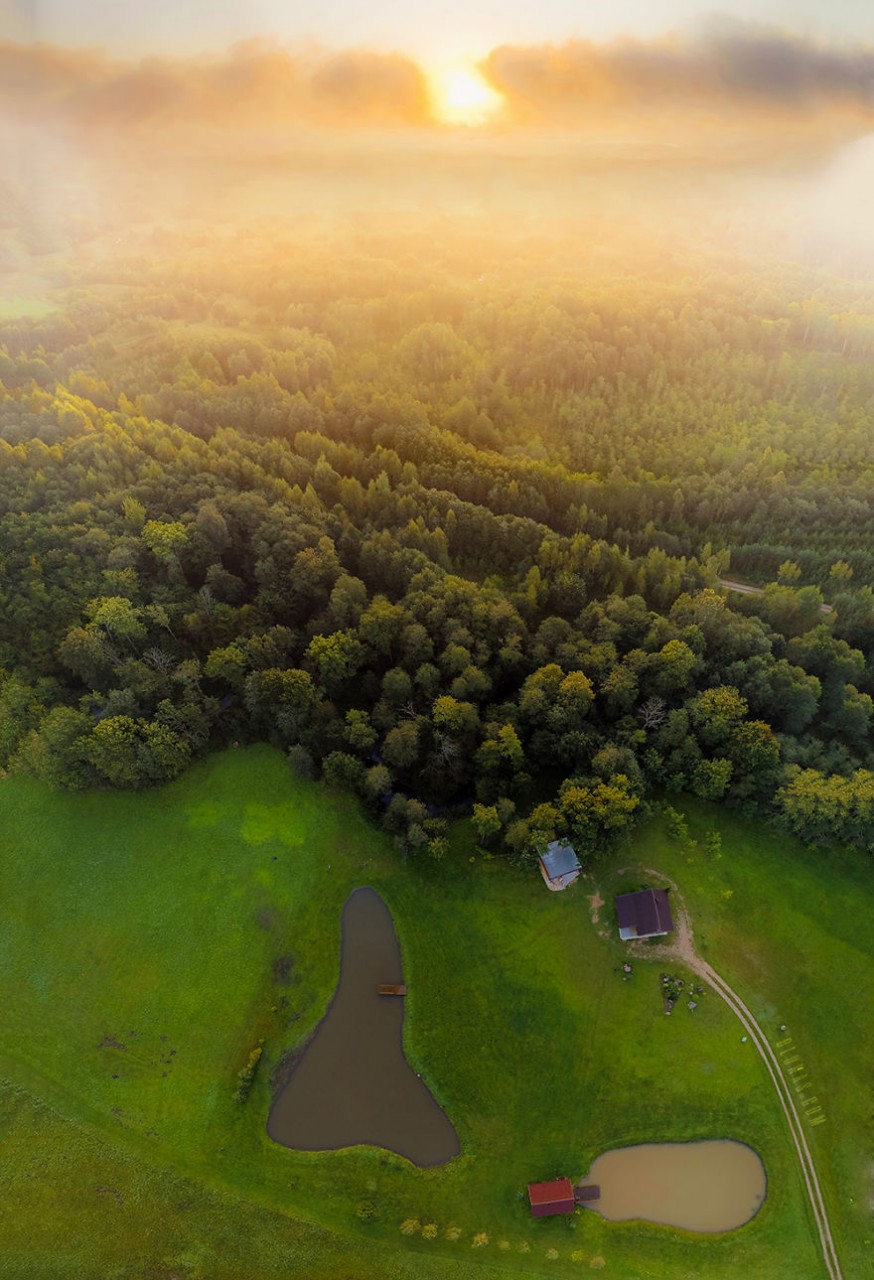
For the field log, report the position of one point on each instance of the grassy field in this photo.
(139, 940)
(23, 300)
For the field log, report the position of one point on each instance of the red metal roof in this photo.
(551, 1197)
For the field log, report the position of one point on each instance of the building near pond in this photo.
(645, 914)
(560, 865)
(547, 1198)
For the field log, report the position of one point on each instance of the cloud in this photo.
(731, 70)
(370, 88)
(732, 77)
(257, 83)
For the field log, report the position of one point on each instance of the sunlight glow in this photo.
(461, 96)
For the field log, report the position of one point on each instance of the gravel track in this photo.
(682, 948)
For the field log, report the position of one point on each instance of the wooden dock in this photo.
(582, 1195)
(391, 989)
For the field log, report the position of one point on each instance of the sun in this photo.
(461, 96)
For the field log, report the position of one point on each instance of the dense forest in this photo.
(446, 517)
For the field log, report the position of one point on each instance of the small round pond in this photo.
(700, 1186)
(353, 1085)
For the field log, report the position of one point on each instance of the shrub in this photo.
(301, 762)
(247, 1075)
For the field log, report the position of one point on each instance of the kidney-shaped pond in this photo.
(701, 1186)
(353, 1084)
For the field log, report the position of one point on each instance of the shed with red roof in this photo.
(551, 1197)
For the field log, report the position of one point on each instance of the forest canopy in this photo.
(445, 515)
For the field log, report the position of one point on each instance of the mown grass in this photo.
(154, 922)
(19, 308)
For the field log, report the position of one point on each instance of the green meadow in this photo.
(149, 942)
(17, 306)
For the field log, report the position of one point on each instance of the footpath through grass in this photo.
(149, 942)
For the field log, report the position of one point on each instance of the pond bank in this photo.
(698, 1186)
(351, 1084)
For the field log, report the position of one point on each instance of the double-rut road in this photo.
(681, 948)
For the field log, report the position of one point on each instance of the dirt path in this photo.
(681, 949)
(731, 584)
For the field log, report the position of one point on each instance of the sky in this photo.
(773, 85)
(428, 31)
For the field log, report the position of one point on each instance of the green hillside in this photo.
(138, 958)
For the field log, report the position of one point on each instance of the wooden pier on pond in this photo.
(583, 1195)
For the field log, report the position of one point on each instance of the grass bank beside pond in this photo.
(150, 942)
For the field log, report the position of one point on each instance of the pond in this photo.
(353, 1084)
(700, 1186)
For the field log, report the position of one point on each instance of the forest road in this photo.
(746, 589)
(681, 949)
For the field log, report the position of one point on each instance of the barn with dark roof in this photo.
(645, 914)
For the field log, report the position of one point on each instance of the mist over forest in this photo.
(424, 451)
(743, 137)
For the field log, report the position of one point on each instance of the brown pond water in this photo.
(353, 1084)
(700, 1186)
